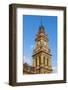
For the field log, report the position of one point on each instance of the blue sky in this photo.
(31, 26)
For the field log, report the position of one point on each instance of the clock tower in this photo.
(41, 53)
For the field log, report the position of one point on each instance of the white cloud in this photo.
(26, 60)
(54, 69)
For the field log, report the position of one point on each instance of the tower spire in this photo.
(41, 52)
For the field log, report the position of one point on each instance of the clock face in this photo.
(44, 43)
(41, 42)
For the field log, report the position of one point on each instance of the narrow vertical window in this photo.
(47, 62)
(44, 61)
(39, 61)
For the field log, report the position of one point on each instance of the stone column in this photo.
(42, 65)
(34, 63)
(37, 63)
(37, 60)
(41, 60)
(49, 63)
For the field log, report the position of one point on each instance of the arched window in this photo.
(39, 60)
(44, 60)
